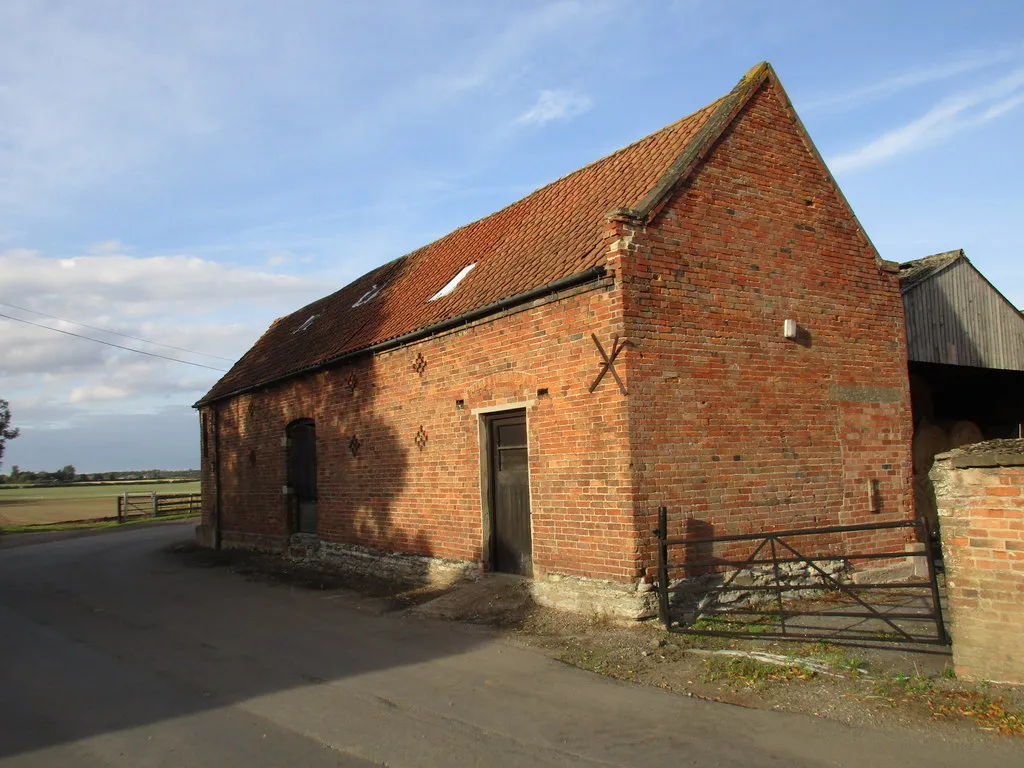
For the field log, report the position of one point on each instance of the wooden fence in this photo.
(135, 505)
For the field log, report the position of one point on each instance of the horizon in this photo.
(188, 175)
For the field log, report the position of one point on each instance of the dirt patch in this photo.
(895, 687)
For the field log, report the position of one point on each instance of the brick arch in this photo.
(497, 388)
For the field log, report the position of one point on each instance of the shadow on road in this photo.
(107, 633)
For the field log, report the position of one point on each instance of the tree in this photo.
(6, 431)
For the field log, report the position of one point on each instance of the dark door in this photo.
(302, 474)
(511, 541)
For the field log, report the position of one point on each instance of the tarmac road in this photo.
(115, 653)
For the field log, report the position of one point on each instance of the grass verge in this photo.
(88, 525)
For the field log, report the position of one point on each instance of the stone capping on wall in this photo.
(991, 453)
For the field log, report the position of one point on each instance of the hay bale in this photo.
(964, 433)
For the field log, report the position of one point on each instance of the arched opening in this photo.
(302, 474)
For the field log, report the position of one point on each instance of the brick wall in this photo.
(733, 425)
(725, 420)
(980, 496)
(396, 497)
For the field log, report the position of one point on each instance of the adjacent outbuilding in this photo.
(965, 344)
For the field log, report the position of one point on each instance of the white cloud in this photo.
(136, 285)
(280, 258)
(181, 301)
(944, 70)
(98, 393)
(555, 105)
(962, 112)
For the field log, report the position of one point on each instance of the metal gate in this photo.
(788, 585)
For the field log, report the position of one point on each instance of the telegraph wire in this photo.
(111, 344)
(115, 333)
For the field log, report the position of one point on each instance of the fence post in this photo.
(662, 534)
(154, 503)
(125, 505)
(929, 553)
(118, 499)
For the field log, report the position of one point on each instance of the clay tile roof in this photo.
(551, 234)
(913, 273)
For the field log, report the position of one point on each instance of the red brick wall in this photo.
(732, 424)
(981, 514)
(725, 420)
(394, 496)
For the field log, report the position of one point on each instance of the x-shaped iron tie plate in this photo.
(609, 361)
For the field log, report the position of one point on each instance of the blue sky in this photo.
(188, 171)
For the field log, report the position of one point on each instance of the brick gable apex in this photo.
(761, 76)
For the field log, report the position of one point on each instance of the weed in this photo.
(752, 672)
(832, 655)
(714, 623)
(949, 672)
(903, 686)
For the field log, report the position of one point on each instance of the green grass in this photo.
(832, 655)
(68, 492)
(22, 508)
(752, 672)
(88, 526)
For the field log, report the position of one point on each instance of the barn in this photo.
(965, 348)
(697, 320)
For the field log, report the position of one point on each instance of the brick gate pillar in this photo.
(980, 494)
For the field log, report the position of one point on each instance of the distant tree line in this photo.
(68, 474)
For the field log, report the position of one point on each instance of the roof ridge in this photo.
(953, 254)
(580, 169)
(697, 148)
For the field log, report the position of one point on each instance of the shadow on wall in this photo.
(352, 482)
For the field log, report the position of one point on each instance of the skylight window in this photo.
(368, 296)
(305, 325)
(452, 284)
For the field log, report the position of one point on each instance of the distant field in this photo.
(36, 506)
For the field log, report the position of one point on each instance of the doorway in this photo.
(302, 473)
(511, 539)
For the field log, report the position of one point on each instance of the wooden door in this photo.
(511, 536)
(302, 474)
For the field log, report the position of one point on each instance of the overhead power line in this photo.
(115, 333)
(111, 344)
